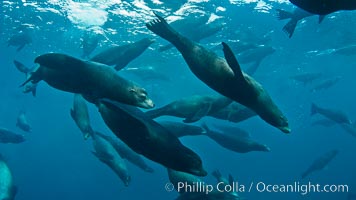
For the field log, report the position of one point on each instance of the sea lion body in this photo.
(7, 189)
(335, 115)
(234, 112)
(224, 76)
(236, 141)
(127, 153)
(320, 163)
(181, 129)
(146, 137)
(7, 136)
(106, 153)
(191, 108)
(324, 7)
(120, 56)
(80, 115)
(22, 122)
(88, 78)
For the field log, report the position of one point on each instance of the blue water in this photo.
(56, 163)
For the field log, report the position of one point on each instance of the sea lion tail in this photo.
(160, 27)
(314, 109)
(290, 27)
(282, 14)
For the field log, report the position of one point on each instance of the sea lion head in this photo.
(140, 95)
(282, 122)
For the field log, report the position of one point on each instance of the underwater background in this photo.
(56, 162)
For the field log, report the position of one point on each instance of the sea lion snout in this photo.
(148, 103)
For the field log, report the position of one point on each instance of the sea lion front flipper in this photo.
(321, 18)
(232, 61)
(34, 91)
(203, 111)
(20, 47)
(103, 156)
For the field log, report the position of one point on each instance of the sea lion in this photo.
(106, 153)
(181, 129)
(7, 136)
(177, 177)
(320, 163)
(295, 16)
(335, 115)
(29, 87)
(326, 84)
(20, 40)
(91, 79)
(7, 189)
(148, 138)
(22, 122)
(120, 56)
(234, 112)
(192, 108)
(224, 76)
(127, 153)
(307, 77)
(238, 141)
(324, 7)
(90, 41)
(80, 115)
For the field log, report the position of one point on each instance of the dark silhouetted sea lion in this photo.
(80, 115)
(7, 136)
(127, 153)
(148, 138)
(321, 162)
(238, 141)
(91, 79)
(120, 56)
(324, 7)
(191, 108)
(335, 115)
(19, 40)
(7, 189)
(224, 76)
(22, 122)
(107, 154)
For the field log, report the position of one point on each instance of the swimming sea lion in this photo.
(22, 122)
(147, 137)
(7, 136)
(127, 153)
(321, 162)
(224, 76)
(234, 112)
(80, 115)
(120, 56)
(191, 108)
(106, 153)
(324, 7)
(181, 129)
(7, 189)
(91, 79)
(335, 115)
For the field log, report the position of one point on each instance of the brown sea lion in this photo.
(224, 76)
(91, 79)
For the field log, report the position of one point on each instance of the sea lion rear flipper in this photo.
(34, 91)
(282, 14)
(290, 27)
(232, 61)
(203, 111)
